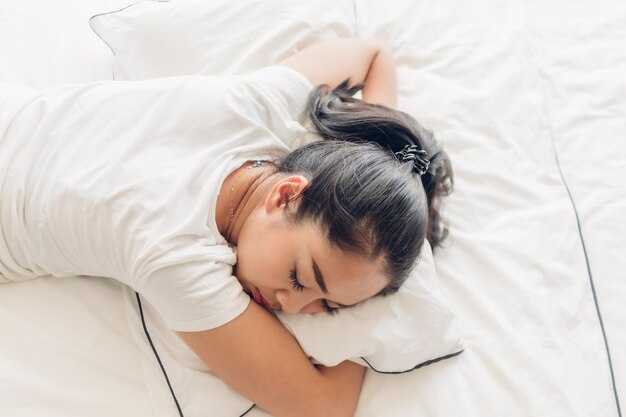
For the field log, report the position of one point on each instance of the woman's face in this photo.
(294, 269)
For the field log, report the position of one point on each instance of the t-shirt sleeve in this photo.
(191, 286)
(277, 97)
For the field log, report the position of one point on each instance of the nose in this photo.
(299, 302)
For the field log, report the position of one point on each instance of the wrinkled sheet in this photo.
(506, 84)
(510, 87)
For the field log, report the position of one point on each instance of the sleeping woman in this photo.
(206, 195)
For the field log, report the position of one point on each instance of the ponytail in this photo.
(337, 115)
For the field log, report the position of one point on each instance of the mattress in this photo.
(528, 99)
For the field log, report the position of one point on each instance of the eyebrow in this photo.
(319, 278)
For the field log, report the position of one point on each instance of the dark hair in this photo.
(359, 194)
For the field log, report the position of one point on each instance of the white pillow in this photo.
(397, 333)
(152, 39)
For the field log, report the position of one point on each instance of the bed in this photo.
(528, 99)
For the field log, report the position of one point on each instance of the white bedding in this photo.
(505, 84)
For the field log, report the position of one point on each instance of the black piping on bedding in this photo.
(591, 282)
(421, 365)
(247, 411)
(167, 379)
(105, 42)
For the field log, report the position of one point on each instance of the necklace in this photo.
(257, 163)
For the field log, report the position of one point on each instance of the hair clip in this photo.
(418, 156)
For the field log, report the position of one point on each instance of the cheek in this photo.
(258, 262)
(262, 262)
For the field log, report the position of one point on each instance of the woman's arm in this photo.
(368, 60)
(260, 359)
(382, 83)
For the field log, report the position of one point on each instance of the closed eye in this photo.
(331, 311)
(294, 281)
(293, 277)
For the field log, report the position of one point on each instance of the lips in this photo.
(260, 300)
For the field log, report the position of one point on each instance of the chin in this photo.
(244, 283)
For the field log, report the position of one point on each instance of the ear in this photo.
(284, 190)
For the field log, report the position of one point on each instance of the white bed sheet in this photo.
(503, 81)
(587, 113)
(500, 82)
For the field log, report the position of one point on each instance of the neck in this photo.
(240, 194)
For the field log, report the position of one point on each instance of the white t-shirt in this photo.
(120, 180)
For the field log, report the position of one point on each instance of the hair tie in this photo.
(418, 156)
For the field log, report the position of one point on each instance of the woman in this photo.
(160, 203)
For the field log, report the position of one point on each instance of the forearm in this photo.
(260, 359)
(347, 380)
(381, 80)
(360, 59)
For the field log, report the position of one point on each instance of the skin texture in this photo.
(254, 353)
